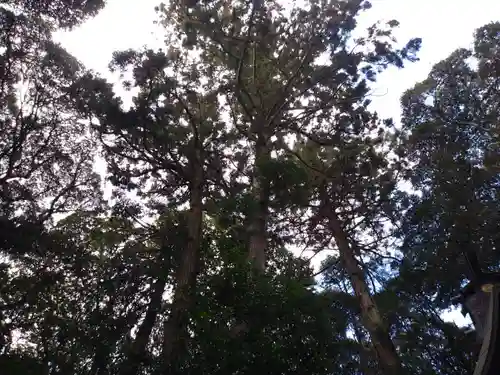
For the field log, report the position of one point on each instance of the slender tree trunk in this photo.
(137, 351)
(257, 244)
(384, 347)
(258, 226)
(175, 330)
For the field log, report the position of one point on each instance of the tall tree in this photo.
(163, 147)
(46, 169)
(56, 13)
(249, 134)
(278, 88)
(45, 151)
(451, 119)
(451, 144)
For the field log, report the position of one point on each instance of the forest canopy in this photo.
(249, 149)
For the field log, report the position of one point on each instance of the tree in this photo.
(56, 13)
(45, 170)
(276, 88)
(451, 120)
(267, 95)
(450, 142)
(45, 154)
(248, 135)
(165, 139)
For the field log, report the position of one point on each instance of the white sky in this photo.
(444, 25)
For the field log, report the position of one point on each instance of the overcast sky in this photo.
(444, 25)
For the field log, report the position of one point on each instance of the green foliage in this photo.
(59, 13)
(452, 128)
(253, 113)
(46, 154)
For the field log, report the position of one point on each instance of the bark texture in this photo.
(176, 328)
(388, 357)
(258, 226)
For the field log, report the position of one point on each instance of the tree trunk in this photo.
(258, 226)
(175, 330)
(384, 347)
(137, 352)
(257, 244)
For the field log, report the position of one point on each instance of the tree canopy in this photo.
(250, 147)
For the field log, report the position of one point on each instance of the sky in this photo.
(444, 25)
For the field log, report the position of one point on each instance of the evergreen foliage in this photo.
(249, 143)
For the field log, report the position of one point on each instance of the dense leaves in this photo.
(454, 145)
(249, 148)
(57, 13)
